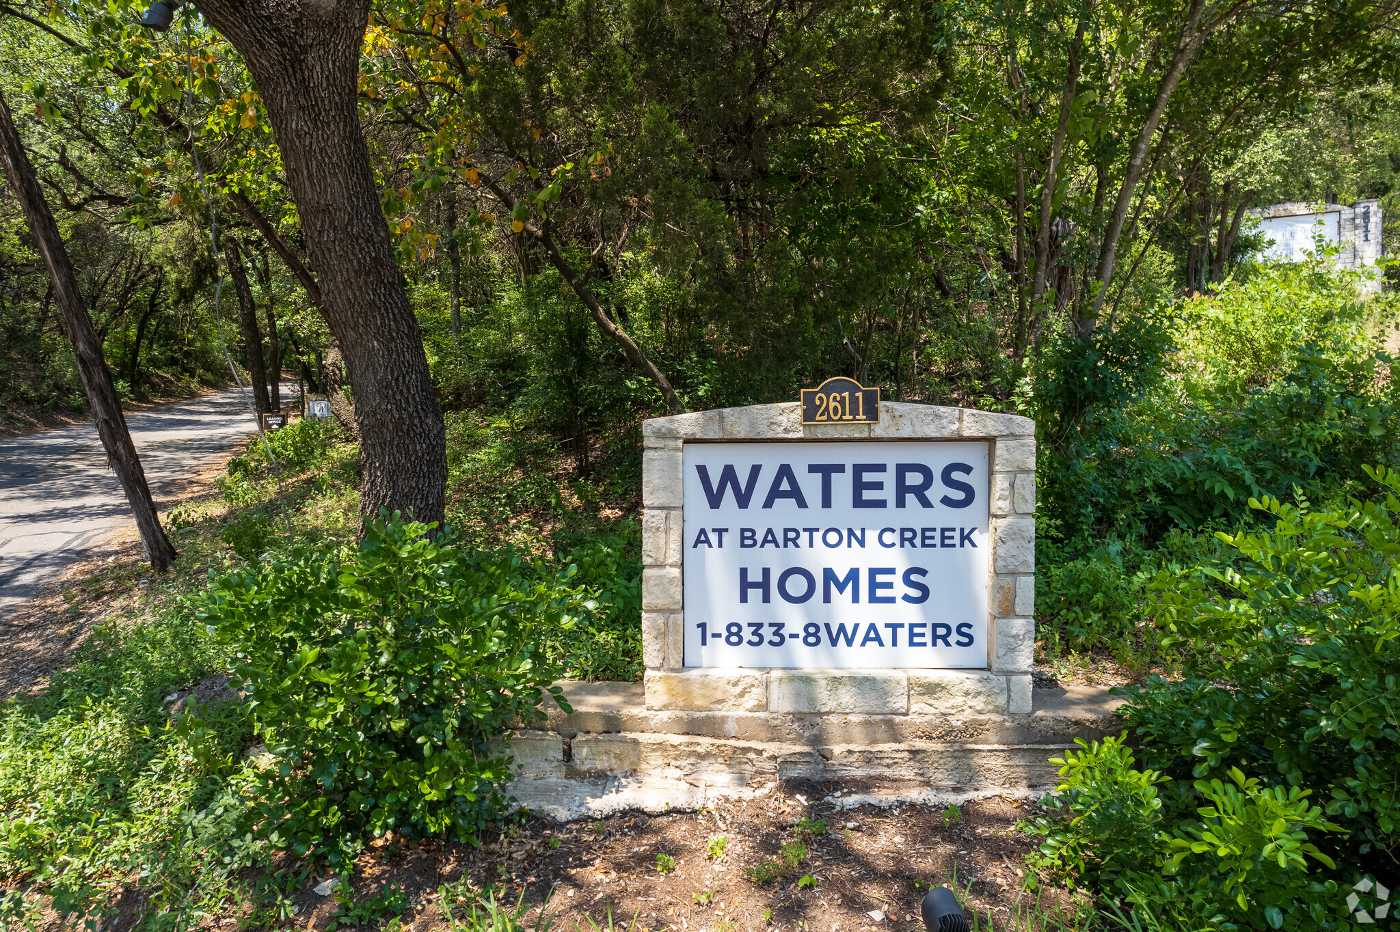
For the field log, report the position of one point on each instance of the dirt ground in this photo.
(864, 868)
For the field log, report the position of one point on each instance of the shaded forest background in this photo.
(603, 210)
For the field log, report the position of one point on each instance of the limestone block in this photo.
(1013, 543)
(835, 431)
(1004, 595)
(762, 422)
(661, 478)
(606, 753)
(675, 641)
(1025, 596)
(661, 537)
(871, 692)
(1017, 453)
(537, 753)
(1003, 484)
(1020, 693)
(955, 694)
(993, 424)
(1024, 497)
(661, 588)
(655, 644)
(701, 690)
(698, 425)
(905, 420)
(1015, 645)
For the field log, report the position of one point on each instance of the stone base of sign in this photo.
(612, 753)
(948, 693)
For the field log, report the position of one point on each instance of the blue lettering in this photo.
(910, 582)
(840, 584)
(862, 485)
(785, 486)
(728, 479)
(841, 635)
(965, 537)
(949, 472)
(826, 471)
(877, 585)
(872, 633)
(745, 585)
(805, 576)
(965, 634)
(904, 484)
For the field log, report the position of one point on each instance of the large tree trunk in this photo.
(304, 58)
(97, 380)
(248, 324)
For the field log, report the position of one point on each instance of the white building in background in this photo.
(1293, 230)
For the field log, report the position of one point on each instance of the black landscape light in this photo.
(942, 912)
(159, 15)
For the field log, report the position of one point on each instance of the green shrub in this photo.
(1137, 440)
(1088, 602)
(1267, 780)
(606, 642)
(1237, 856)
(102, 780)
(1301, 681)
(296, 447)
(1106, 814)
(381, 677)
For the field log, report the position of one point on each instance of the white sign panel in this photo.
(869, 554)
(1293, 239)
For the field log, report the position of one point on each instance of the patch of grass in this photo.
(810, 828)
(665, 863)
(716, 847)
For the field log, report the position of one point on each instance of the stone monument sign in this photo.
(840, 554)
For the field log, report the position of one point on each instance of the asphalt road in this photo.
(59, 499)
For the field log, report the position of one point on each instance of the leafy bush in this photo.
(1239, 856)
(295, 448)
(1138, 440)
(1107, 814)
(380, 679)
(1302, 678)
(606, 641)
(1087, 602)
(1246, 336)
(1267, 778)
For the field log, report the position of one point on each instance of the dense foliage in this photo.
(1263, 783)
(380, 681)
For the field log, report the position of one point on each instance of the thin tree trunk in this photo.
(133, 359)
(630, 349)
(1052, 168)
(454, 262)
(97, 380)
(248, 324)
(274, 344)
(304, 58)
(1186, 47)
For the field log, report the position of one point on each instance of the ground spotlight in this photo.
(159, 15)
(942, 912)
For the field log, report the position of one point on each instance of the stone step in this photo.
(725, 762)
(1061, 715)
